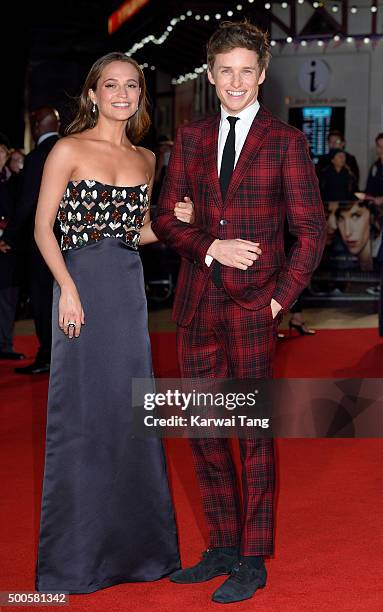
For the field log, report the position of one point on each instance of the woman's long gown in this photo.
(107, 515)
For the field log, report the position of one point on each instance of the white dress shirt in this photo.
(242, 127)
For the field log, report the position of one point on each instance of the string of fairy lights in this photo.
(334, 6)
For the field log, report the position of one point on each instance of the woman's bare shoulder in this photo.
(149, 156)
(68, 144)
(148, 153)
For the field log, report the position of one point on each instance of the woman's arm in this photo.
(184, 211)
(58, 170)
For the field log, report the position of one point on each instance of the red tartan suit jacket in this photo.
(274, 179)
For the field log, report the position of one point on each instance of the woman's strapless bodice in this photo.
(91, 211)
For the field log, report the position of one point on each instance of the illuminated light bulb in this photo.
(374, 9)
(335, 8)
(218, 15)
(289, 39)
(239, 7)
(284, 5)
(267, 5)
(336, 37)
(206, 17)
(320, 43)
(189, 13)
(197, 17)
(230, 13)
(353, 10)
(304, 43)
(349, 39)
(366, 40)
(273, 43)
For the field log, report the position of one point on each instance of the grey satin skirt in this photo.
(107, 515)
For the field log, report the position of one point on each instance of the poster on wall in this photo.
(353, 255)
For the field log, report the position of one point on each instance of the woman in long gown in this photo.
(107, 515)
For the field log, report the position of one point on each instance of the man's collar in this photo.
(246, 115)
(45, 136)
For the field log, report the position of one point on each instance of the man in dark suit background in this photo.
(45, 124)
(246, 172)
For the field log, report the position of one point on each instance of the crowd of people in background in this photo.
(354, 216)
(20, 259)
(354, 222)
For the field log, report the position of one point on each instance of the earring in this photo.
(94, 108)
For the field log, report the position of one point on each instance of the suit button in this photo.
(223, 222)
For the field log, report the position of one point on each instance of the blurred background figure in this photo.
(374, 185)
(9, 290)
(163, 150)
(161, 264)
(5, 172)
(336, 140)
(337, 181)
(374, 192)
(45, 124)
(16, 161)
(297, 321)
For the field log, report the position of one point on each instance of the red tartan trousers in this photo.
(225, 340)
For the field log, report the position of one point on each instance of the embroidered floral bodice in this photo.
(91, 211)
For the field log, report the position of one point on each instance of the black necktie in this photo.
(228, 157)
(227, 167)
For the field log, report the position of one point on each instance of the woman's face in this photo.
(118, 92)
(339, 160)
(354, 227)
(16, 162)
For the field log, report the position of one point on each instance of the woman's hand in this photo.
(184, 211)
(71, 314)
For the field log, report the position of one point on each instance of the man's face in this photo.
(379, 148)
(354, 227)
(335, 142)
(236, 76)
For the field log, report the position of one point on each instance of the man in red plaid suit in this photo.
(246, 172)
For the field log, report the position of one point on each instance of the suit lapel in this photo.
(210, 147)
(258, 131)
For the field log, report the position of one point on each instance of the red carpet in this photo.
(329, 505)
